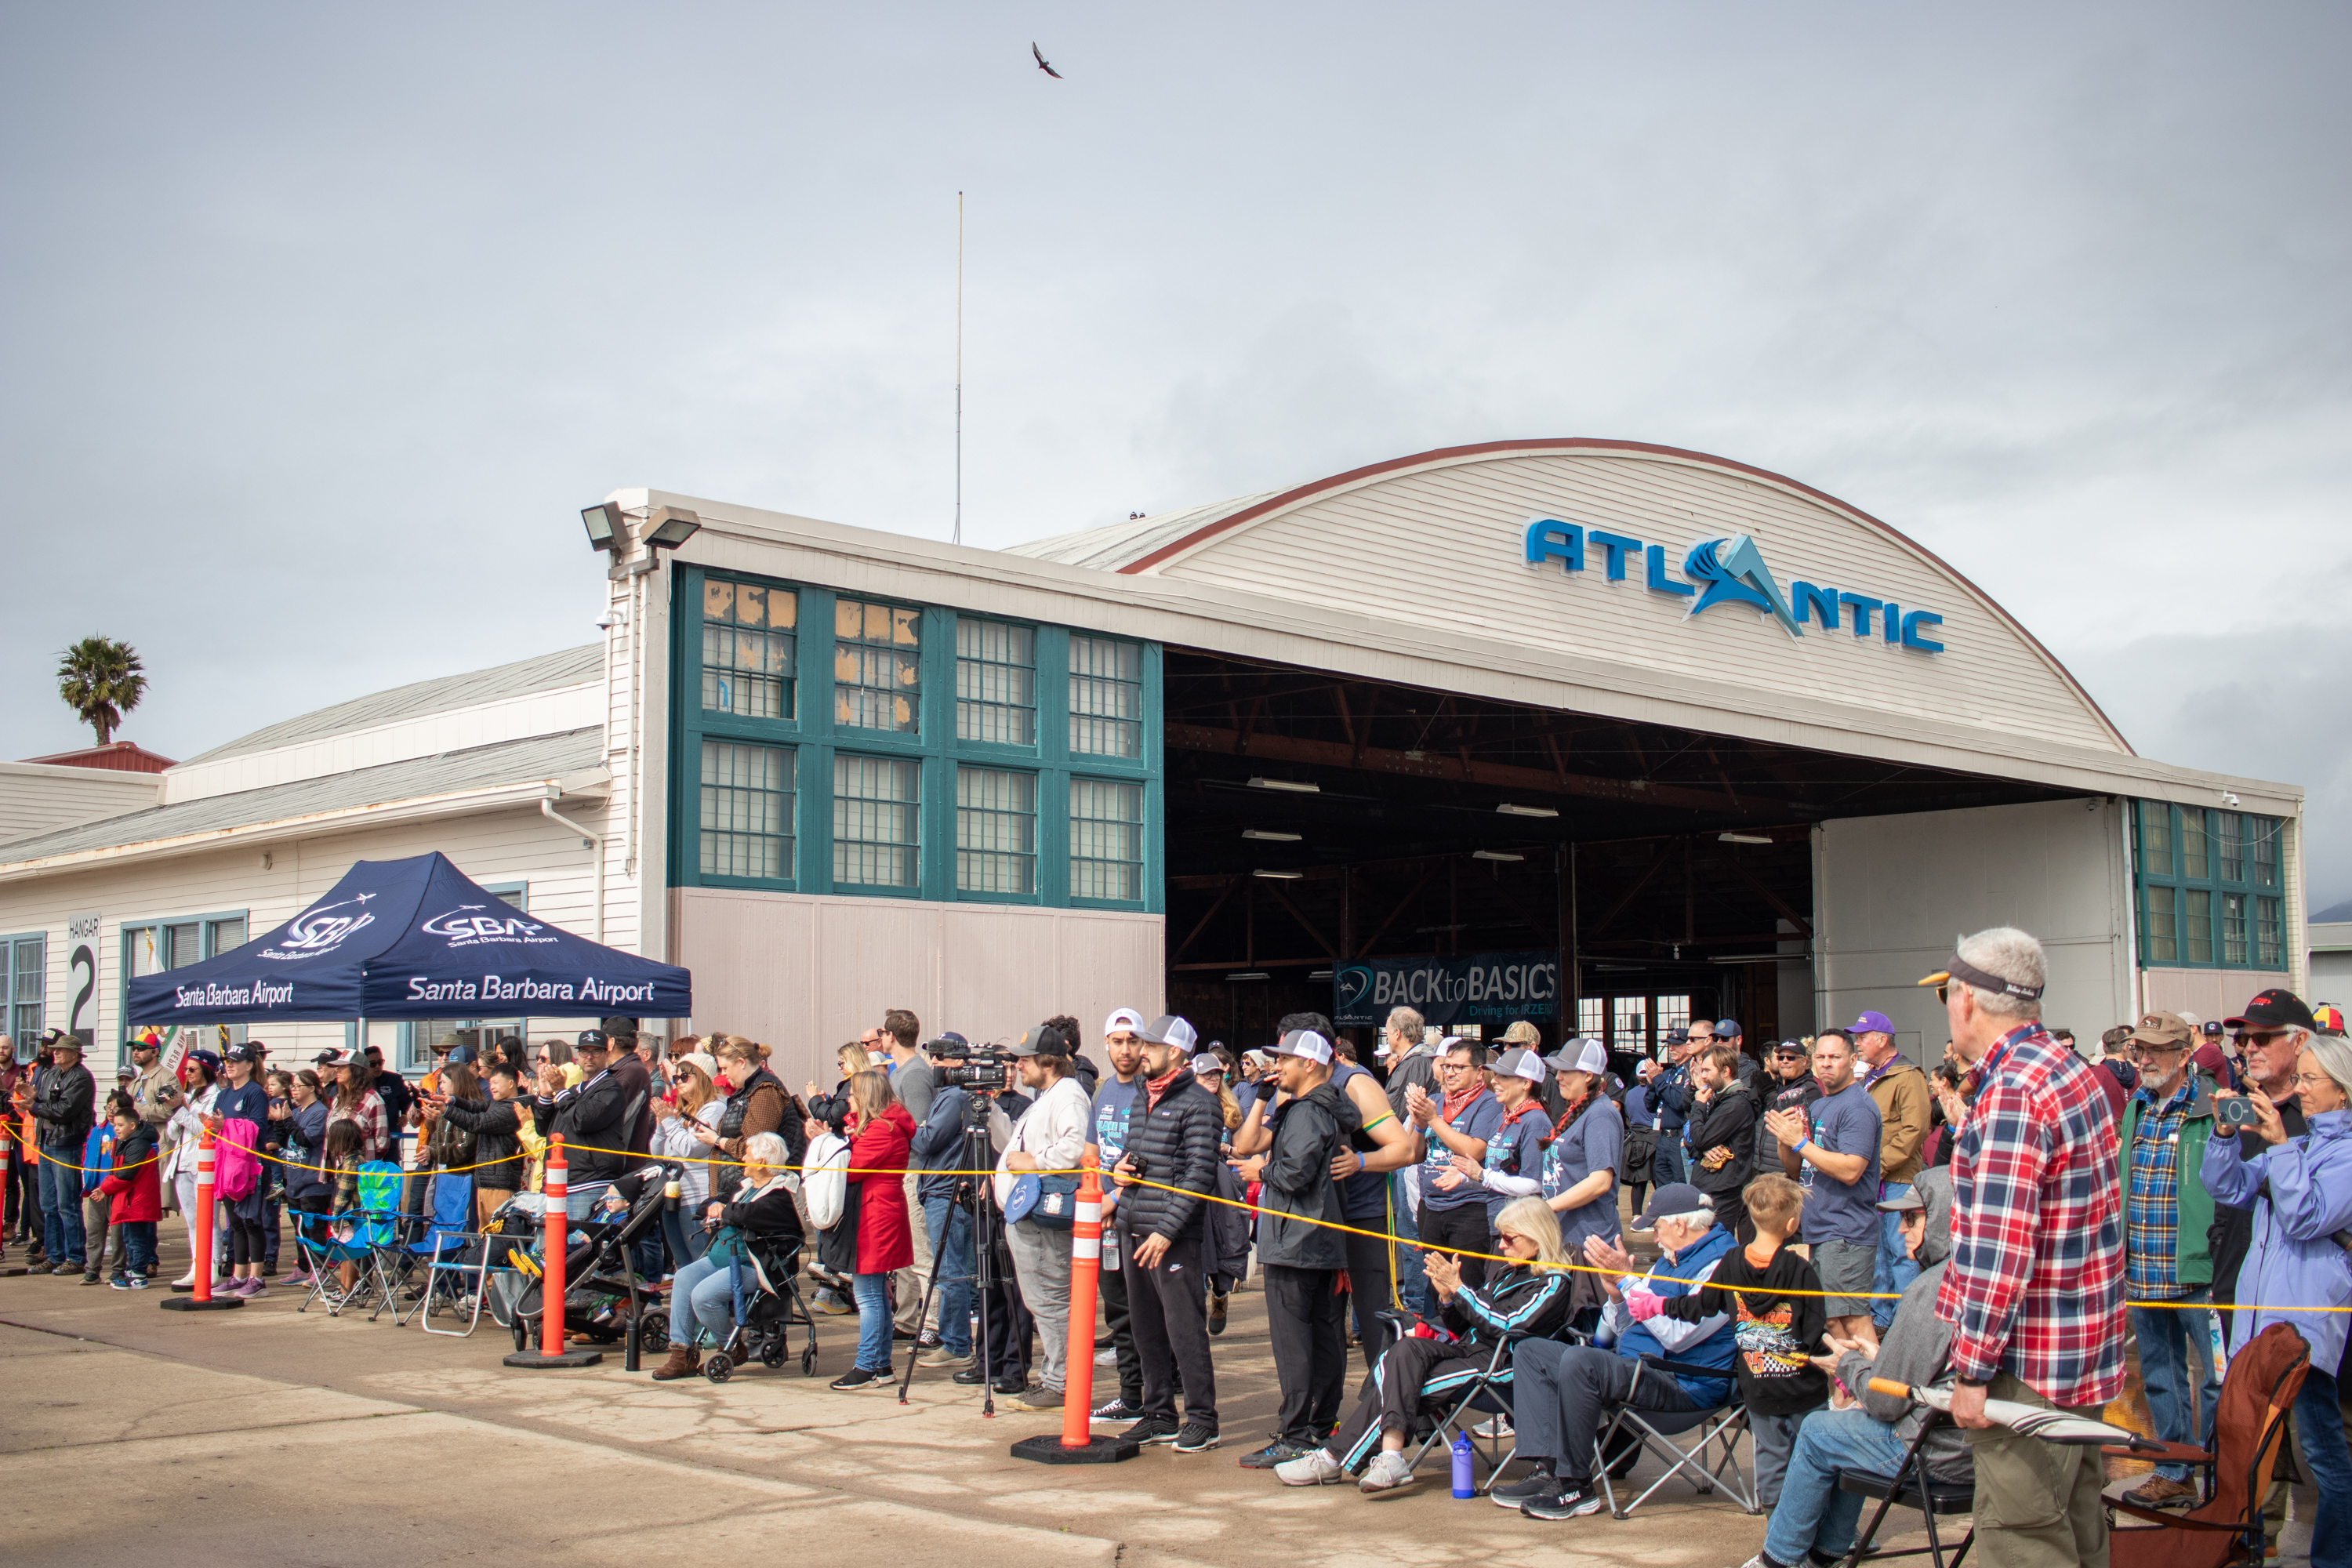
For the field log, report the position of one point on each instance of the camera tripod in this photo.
(975, 1153)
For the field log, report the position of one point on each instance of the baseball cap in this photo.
(2327, 1017)
(1168, 1029)
(1788, 1048)
(241, 1052)
(1305, 1043)
(1583, 1054)
(1727, 1028)
(1122, 1019)
(1205, 1062)
(592, 1040)
(1675, 1197)
(2161, 1029)
(334, 1056)
(1960, 969)
(1521, 1063)
(2276, 1009)
(1522, 1033)
(1257, 1059)
(1042, 1041)
(1678, 1036)
(463, 1055)
(950, 1037)
(1909, 1200)
(1871, 1024)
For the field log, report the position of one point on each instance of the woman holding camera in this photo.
(704, 1290)
(2301, 1192)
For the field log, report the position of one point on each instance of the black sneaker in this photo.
(119, 1282)
(1275, 1453)
(1198, 1438)
(1119, 1409)
(861, 1377)
(1567, 1500)
(1542, 1484)
(1151, 1429)
(91, 1278)
(971, 1376)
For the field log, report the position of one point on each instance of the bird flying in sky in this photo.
(1042, 64)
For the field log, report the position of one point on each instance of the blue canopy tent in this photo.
(405, 940)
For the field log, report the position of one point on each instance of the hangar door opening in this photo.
(1331, 839)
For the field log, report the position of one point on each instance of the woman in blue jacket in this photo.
(2301, 1193)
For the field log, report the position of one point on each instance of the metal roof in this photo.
(449, 773)
(544, 672)
(1113, 546)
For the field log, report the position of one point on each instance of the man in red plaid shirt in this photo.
(2035, 1290)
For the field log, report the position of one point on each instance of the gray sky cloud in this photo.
(320, 325)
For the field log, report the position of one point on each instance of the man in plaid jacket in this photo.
(2035, 1287)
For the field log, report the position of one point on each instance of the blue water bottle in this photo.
(1464, 1482)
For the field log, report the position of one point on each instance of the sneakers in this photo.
(1275, 1454)
(833, 1306)
(184, 1282)
(1216, 1311)
(861, 1377)
(1566, 1499)
(1387, 1472)
(245, 1290)
(1119, 1409)
(138, 1282)
(119, 1282)
(91, 1277)
(1149, 1430)
(1039, 1398)
(939, 1355)
(1539, 1485)
(1197, 1438)
(1318, 1468)
(2163, 1491)
(1493, 1426)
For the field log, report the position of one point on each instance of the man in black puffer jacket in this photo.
(1171, 1141)
(593, 1118)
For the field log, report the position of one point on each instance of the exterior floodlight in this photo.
(1508, 809)
(670, 527)
(1294, 786)
(1743, 838)
(605, 531)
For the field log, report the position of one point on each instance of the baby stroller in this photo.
(604, 1298)
(768, 1308)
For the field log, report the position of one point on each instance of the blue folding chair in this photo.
(444, 1235)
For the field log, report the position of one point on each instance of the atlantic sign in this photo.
(1718, 572)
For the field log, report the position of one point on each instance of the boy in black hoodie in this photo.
(1774, 1300)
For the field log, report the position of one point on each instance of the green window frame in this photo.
(2207, 886)
(996, 682)
(24, 985)
(745, 830)
(877, 812)
(1106, 697)
(878, 667)
(158, 945)
(1107, 829)
(996, 831)
(751, 645)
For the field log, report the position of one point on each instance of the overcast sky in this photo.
(318, 325)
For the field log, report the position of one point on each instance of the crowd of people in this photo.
(1824, 1210)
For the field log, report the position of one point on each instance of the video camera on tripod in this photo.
(986, 1068)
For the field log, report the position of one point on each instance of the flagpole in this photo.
(958, 390)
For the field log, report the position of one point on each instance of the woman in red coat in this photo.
(879, 1131)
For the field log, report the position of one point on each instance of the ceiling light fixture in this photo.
(1249, 975)
(1494, 855)
(1743, 837)
(1279, 876)
(1260, 833)
(1508, 809)
(1294, 786)
(1318, 974)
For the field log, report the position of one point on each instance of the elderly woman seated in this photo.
(704, 1290)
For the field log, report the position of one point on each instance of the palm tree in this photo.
(102, 679)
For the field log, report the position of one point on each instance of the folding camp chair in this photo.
(1656, 1431)
(1912, 1486)
(375, 1245)
(1488, 1393)
(2249, 1432)
(313, 1243)
(444, 1235)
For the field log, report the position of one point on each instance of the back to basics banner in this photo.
(1476, 988)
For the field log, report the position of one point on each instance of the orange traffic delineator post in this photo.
(200, 1239)
(1076, 1444)
(8, 1131)
(554, 1193)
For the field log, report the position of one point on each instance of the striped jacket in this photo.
(1517, 1302)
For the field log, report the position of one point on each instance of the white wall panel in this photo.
(36, 797)
(1892, 893)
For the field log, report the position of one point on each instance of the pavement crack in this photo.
(119, 1439)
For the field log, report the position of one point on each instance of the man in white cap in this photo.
(1106, 1139)
(1171, 1144)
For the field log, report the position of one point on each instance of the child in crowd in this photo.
(1774, 1298)
(346, 1219)
(135, 1190)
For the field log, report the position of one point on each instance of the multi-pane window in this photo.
(1627, 1016)
(1106, 697)
(1673, 1012)
(996, 683)
(1106, 839)
(747, 810)
(1592, 1016)
(877, 821)
(996, 831)
(175, 945)
(2208, 887)
(877, 666)
(24, 972)
(749, 645)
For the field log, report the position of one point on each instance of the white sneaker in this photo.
(1493, 1426)
(1388, 1472)
(1316, 1469)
